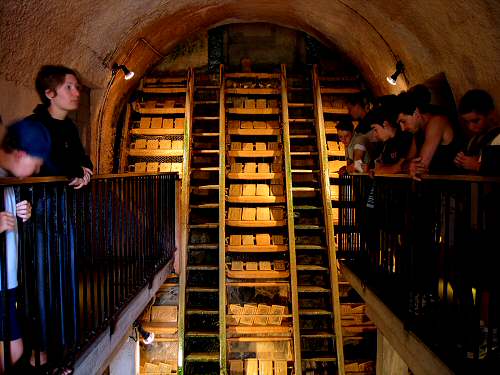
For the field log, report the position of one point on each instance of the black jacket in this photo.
(67, 156)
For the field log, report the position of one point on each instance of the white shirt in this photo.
(11, 236)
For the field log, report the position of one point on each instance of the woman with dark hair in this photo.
(435, 138)
(398, 146)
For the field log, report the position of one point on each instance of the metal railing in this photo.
(84, 254)
(428, 250)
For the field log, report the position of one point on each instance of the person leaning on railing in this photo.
(355, 147)
(482, 154)
(22, 152)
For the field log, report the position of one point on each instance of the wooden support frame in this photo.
(291, 223)
(328, 217)
(125, 139)
(222, 227)
(185, 191)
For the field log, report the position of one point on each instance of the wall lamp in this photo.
(399, 69)
(128, 74)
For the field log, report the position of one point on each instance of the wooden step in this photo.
(205, 134)
(317, 335)
(202, 290)
(206, 118)
(303, 153)
(312, 289)
(158, 132)
(254, 132)
(201, 312)
(254, 111)
(201, 334)
(255, 75)
(203, 357)
(311, 267)
(308, 227)
(254, 154)
(160, 328)
(256, 223)
(205, 102)
(253, 176)
(156, 152)
(205, 187)
(258, 274)
(204, 246)
(205, 169)
(305, 171)
(307, 207)
(309, 247)
(304, 189)
(256, 248)
(202, 268)
(159, 111)
(163, 90)
(302, 136)
(314, 312)
(207, 87)
(300, 105)
(340, 90)
(301, 120)
(256, 199)
(314, 357)
(202, 152)
(330, 131)
(205, 205)
(204, 226)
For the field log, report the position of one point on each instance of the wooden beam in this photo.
(222, 227)
(419, 358)
(291, 223)
(328, 216)
(185, 190)
(125, 140)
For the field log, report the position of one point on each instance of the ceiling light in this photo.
(128, 74)
(399, 69)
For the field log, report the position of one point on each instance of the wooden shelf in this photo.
(253, 75)
(152, 80)
(252, 132)
(160, 131)
(254, 111)
(258, 274)
(256, 248)
(160, 111)
(163, 90)
(160, 328)
(336, 153)
(254, 154)
(256, 223)
(312, 289)
(253, 176)
(252, 91)
(202, 357)
(256, 199)
(336, 111)
(330, 131)
(146, 152)
(259, 284)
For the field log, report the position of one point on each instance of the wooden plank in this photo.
(254, 176)
(252, 75)
(340, 90)
(254, 154)
(256, 248)
(256, 223)
(164, 90)
(254, 111)
(158, 152)
(252, 91)
(159, 132)
(159, 111)
(258, 274)
(327, 210)
(125, 139)
(291, 223)
(222, 227)
(336, 111)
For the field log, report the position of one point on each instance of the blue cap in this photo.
(30, 136)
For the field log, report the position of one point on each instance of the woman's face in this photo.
(345, 137)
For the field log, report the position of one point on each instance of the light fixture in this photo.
(128, 74)
(399, 69)
(147, 337)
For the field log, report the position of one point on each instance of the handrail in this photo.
(85, 254)
(442, 177)
(427, 250)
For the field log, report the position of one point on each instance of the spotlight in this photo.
(128, 74)
(399, 69)
(147, 337)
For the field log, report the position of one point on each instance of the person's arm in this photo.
(381, 168)
(7, 221)
(82, 166)
(433, 137)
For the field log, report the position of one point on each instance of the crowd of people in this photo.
(406, 134)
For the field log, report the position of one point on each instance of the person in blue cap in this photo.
(23, 150)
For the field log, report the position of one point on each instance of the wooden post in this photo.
(124, 140)
(222, 223)
(185, 187)
(291, 223)
(328, 214)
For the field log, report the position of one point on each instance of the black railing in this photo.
(84, 254)
(429, 250)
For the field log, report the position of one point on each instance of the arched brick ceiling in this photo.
(459, 38)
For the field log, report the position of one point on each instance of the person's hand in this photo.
(416, 168)
(470, 163)
(350, 168)
(23, 210)
(342, 171)
(7, 221)
(79, 182)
